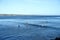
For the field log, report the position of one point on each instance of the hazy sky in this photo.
(30, 7)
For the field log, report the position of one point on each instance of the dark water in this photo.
(29, 27)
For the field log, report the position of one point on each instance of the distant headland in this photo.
(28, 15)
(9, 14)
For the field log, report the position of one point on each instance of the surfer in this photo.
(18, 26)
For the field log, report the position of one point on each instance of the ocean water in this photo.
(29, 27)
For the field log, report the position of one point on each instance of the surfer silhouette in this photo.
(18, 26)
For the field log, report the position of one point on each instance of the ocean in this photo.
(29, 27)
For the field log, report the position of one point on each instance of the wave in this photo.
(41, 26)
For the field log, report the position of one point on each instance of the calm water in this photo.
(31, 28)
